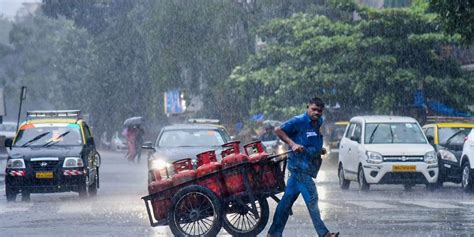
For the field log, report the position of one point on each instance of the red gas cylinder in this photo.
(162, 203)
(231, 158)
(207, 164)
(263, 176)
(183, 171)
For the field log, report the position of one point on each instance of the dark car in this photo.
(448, 139)
(181, 141)
(53, 151)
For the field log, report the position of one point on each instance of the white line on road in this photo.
(430, 204)
(372, 205)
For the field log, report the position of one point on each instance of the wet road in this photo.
(118, 210)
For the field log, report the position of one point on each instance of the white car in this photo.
(386, 150)
(8, 129)
(467, 163)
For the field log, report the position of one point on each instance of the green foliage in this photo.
(457, 17)
(371, 65)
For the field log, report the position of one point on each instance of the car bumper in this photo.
(451, 171)
(386, 173)
(64, 180)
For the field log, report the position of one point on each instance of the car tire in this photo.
(25, 195)
(92, 189)
(343, 182)
(11, 194)
(466, 180)
(363, 185)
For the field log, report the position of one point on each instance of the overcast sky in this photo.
(8, 8)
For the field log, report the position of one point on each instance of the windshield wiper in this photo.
(56, 140)
(34, 139)
(371, 138)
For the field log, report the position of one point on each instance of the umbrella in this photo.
(133, 121)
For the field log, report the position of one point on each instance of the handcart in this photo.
(194, 210)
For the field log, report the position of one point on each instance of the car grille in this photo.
(44, 165)
(403, 158)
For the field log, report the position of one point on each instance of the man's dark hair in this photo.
(316, 101)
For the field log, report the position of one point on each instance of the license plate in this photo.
(44, 175)
(403, 168)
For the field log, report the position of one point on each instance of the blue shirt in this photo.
(300, 130)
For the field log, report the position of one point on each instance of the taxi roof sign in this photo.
(53, 114)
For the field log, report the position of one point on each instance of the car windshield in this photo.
(384, 133)
(452, 135)
(337, 132)
(50, 134)
(191, 138)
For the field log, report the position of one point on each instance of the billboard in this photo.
(174, 102)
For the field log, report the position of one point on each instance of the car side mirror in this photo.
(9, 143)
(354, 138)
(148, 145)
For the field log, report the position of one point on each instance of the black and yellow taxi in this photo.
(53, 151)
(448, 139)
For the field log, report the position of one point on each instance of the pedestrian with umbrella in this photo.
(134, 133)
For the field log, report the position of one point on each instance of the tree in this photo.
(457, 17)
(374, 64)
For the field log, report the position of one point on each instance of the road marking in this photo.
(430, 204)
(467, 203)
(75, 208)
(372, 205)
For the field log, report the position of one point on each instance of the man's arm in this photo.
(284, 137)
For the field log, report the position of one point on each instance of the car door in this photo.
(344, 149)
(354, 149)
(90, 153)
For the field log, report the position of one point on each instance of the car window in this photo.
(192, 138)
(337, 133)
(349, 130)
(384, 133)
(429, 132)
(452, 135)
(54, 134)
(357, 131)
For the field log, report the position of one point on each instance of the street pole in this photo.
(22, 97)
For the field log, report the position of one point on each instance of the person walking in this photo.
(139, 142)
(131, 135)
(302, 135)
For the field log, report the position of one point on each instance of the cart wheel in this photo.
(240, 221)
(195, 211)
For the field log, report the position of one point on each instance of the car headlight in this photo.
(16, 164)
(159, 164)
(73, 162)
(430, 158)
(447, 155)
(374, 157)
